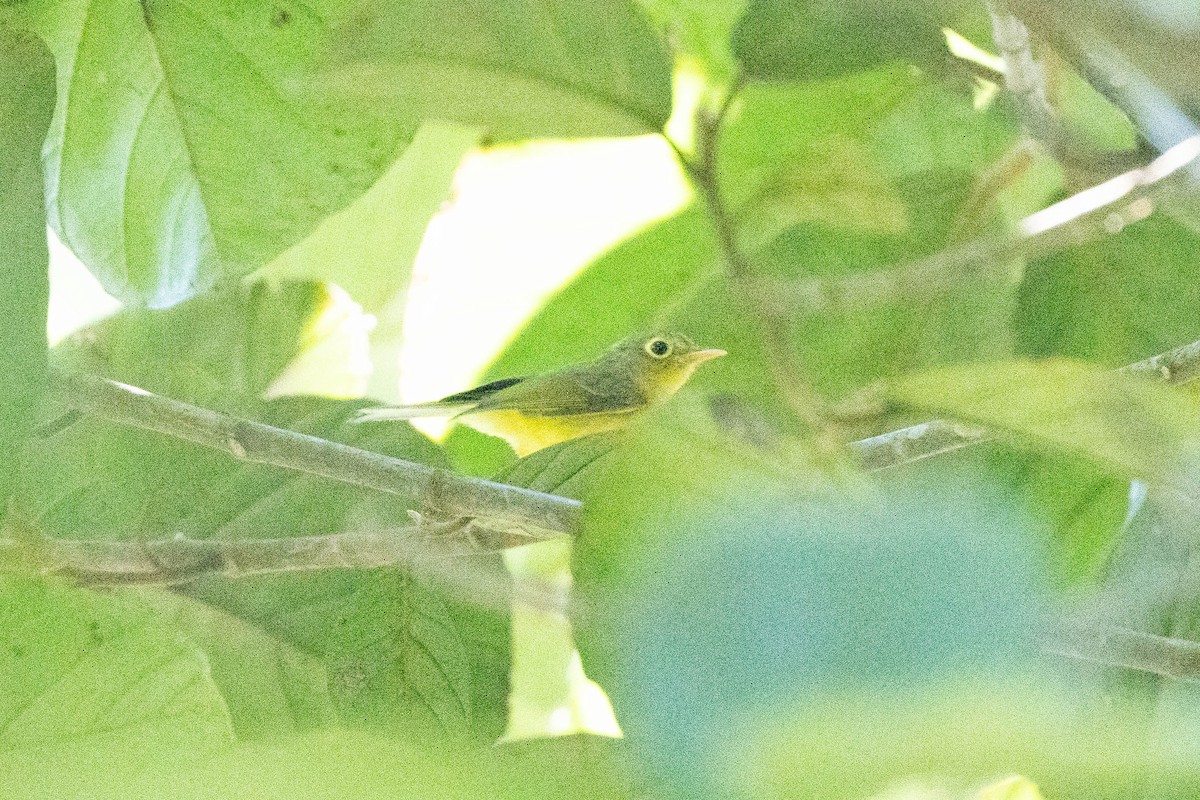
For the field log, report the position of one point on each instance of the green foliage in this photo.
(766, 620)
(779, 40)
(26, 100)
(97, 688)
(521, 70)
(210, 163)
(1142, 429)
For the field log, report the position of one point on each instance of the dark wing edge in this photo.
(480, 392)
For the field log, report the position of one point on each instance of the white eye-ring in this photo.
(659, 348)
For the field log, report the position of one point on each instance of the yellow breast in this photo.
(527, 434)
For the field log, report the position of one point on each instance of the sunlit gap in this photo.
(523, 221)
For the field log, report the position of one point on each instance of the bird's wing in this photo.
(446, 407)
(564, 393)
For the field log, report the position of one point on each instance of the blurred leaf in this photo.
(521, 70)
(342, 763)
(26, 105)
(1160, 38)
(718, 581)
(845, 747)
(1014, 788)
(814, 39)
(1134, 426)
(699, 29)
(790, 154)
(96, 689)
(1084, 505)
(1115, 300)
(180, 153)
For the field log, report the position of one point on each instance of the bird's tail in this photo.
(386, 413)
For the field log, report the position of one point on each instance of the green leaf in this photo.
(1131, 425)
(270, 688)
(846, 747)
(97, 690)
(217, 351)
(792, 154)
(398, 648)
(699, 29)
(369, 247)
(814, 39)
(343, 763)
(1084, 504)
(522, 70)
(1071, 305)
(180, 153)
(631, 283)
(26, 105)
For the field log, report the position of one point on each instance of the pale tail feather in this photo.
(410, 412)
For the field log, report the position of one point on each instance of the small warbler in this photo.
(599, 395)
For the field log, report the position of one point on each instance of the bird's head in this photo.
(661, 363)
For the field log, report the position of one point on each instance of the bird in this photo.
(591, 397)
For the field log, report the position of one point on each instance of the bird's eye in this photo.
(658, 348)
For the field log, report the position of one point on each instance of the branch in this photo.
(1127, 648)
(939, 436)
(537, 515)
(166, 562)
(1087, 215)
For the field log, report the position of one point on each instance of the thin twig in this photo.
(438, 491)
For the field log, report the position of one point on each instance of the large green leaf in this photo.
(270, 688)
(26, 104)
(216, 351)
(1129, 424)
(181, 153)
(548, 68)
(369, 247)
(788, 40)
(1117, 300)
(96, 690)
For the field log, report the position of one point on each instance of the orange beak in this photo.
(700, 356)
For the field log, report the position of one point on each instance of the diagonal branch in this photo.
(536, 514)
(1125, 647)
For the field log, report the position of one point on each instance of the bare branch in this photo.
(444, 493)
(934, 438)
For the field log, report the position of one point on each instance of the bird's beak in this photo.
(700, 356)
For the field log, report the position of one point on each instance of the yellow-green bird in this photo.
(599, 395)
